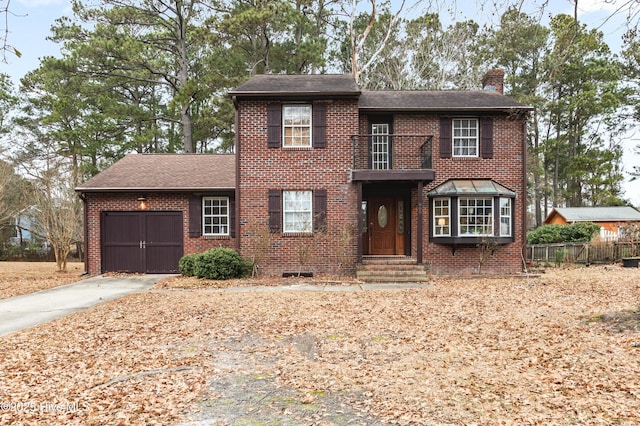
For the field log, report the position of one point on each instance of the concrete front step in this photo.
(390, 269)
(388, 260)
(391, 278)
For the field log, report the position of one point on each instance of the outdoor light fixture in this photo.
(142, 202)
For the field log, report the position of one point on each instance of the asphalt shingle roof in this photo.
(332, 85)
(598, 214)
(278, 85)
(165, 172)
(441, 101)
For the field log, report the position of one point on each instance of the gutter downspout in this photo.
(420, 218)
(523, 202)
(86, 233)
(236, 123)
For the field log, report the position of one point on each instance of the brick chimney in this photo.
(493, 81)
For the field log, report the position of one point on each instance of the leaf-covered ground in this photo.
(17, 278)
(560, 349)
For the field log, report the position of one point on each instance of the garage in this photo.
(141, 241)
(144, 212)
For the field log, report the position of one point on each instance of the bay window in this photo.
(467, 212)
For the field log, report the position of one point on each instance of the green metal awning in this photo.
(470, 188)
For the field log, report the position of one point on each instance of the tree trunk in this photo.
(187, 137)
(183, 78)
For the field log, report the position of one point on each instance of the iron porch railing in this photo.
(392, 152)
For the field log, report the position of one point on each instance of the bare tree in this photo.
(5, 46)
(57, 211)
(359, 63)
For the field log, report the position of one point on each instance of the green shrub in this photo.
(546, 234)
(580, 232)
(186, 264)
(561, 256)
(217, 264)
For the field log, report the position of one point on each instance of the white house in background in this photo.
(610, 219)
(24, 225)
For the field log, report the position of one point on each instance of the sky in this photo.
(30, 22)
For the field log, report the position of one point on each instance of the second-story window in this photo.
(465, 137)
(296, 125)
(380, 146)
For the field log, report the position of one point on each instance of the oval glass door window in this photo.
(383, 217)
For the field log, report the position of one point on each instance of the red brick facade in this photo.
(261, 168)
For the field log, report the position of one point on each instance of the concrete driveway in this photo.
(25, 311)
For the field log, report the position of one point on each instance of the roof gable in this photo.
(165, 172)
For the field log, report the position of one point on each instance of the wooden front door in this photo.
(385, 220)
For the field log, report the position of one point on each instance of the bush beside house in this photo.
(214, 264)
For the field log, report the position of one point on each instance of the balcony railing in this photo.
(392, 152)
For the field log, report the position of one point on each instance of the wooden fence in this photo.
(609, 252)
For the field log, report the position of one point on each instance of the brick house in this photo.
(330, 179)
(341, 175)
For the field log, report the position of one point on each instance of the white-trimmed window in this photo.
(296, 126)
(475, 217)
(505, 217)
(380, 146)
(465, 137)
(297, 211)
(441, 217)
(215, 216)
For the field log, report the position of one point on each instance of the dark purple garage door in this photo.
(141, 242)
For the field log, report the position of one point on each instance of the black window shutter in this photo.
(445, 137)
(232, 217)
(274, 125)
(195, 216)
(275, 210)
(486, 134)
(319, 125)
(319, 209)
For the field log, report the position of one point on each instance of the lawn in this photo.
(562, 348)
(17, 278)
